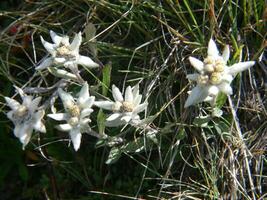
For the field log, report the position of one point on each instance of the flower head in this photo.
(76, 115)
(65, 53)
(26, 116)
(125, 110)
(213, 75)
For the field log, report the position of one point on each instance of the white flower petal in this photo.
(85, 112)
(45, 63)
(10, 115)
(226, 53)
(83, 94)
(116, 93)
(58, 116)
(76, 137)
(34, 104)
(20, 91)
(39, 126)
(213, 90)
(88, 103)
(239, 67)
(27, 101)
(17, 129)
(74, 46)
(137, 100)
(114, 123)
(140, 108)
(196, 63)
(107, 105)
(65, 40)
(114, 116)
(64, 74)
(212, 49)
(66, 98)
(136, 90)
(59, 60)
(55, 38)
(225, 88)
(64, 127)
(24, 134)
(126, 118)
(13, 104)
(198, 94)
(86, 61)
(227, 78)
(48, 46)
(192, 77)
(128, 94)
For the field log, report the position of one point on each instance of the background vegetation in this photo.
(147, 42)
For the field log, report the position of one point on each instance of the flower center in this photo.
(74, 111)
(22, 115)
(21, 111)
(213, 68)
(127, 107)
(73, 121)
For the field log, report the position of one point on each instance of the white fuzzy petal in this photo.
(48, 46)
(212, 49)
(226, 53)
(65, 40)
(66, 98)
(74, 46)
(192, 77)
(13, 104)
(17, 129)
(45, 63)
(20, 91)
(196, 63)
(135, 90)
(239, 67)
(137, 100)
(213, 90)
(114, 123)
(58, 116)
(88, 103)
(55, 38)
(34, 104)
(39, 126)
(59, 60)
(107, 105)
(76, 137)
(113, 116)
(226, 88)
(86, 112)
(83, 94)
(198, 94)
(140, 108)
(64, 127)
(126, 118)
(117, 95)
(128, 94)
(86, 61)
(27, 101)
(227, 78)
(25, 133)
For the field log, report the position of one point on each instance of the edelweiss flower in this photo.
(125, 110)
(213, 75)
(77, 114)
(64, 53)
(26, 117)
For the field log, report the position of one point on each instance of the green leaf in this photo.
(106, 79)
(114, 155)
(101, 118)
(202, 121)
(220, 100)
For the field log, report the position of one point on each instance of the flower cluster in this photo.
(213, 76)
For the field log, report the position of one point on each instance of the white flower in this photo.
(65, 53)
(26, 117)
(77, 114)
(125, 110)
(213, 75)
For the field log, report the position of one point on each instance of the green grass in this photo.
(147, 42)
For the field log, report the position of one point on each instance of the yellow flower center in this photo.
(215, 78)
(74, 111)
(203, 79)
(21, 111)
(127, 106)
(73, 121)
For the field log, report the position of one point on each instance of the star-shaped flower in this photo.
(76, 115)
(125, 110)
(65, 53)
(213, 75)
(26, 116)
